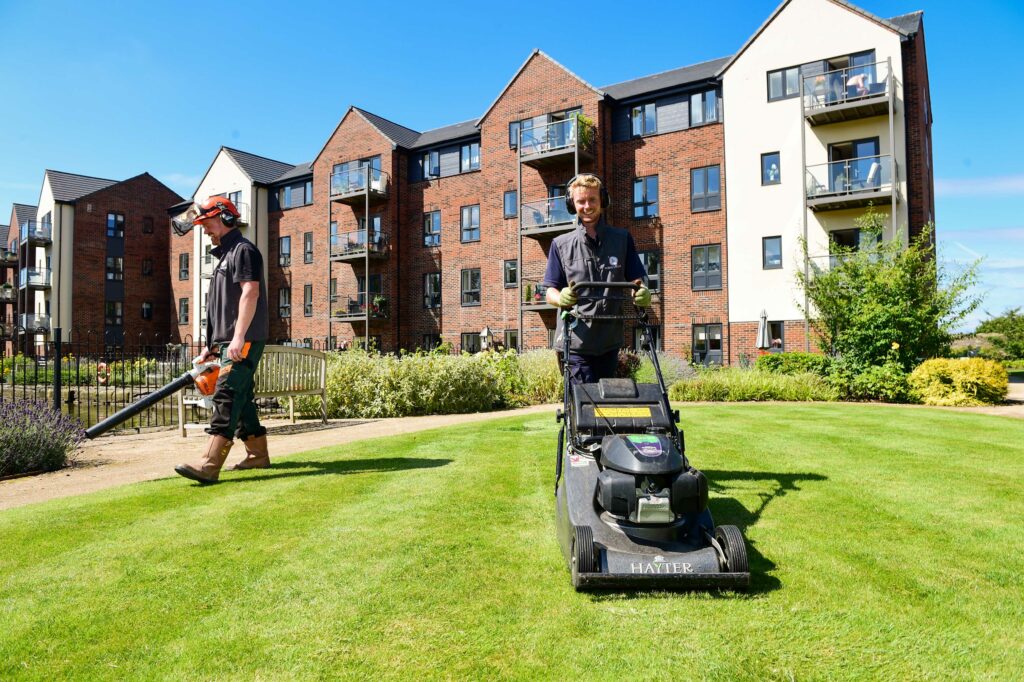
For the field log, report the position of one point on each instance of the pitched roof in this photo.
(24, 213)
(666, 79)
(260, 169)
(908, 23)
(446, 133)
(4, 231)
(398, 134)
(299, 171)
(68, 187)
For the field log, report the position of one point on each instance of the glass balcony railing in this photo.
(9, 257)
(34, 322)
(556, 136)
(842, 86)
(34, 277)
(352, 244)
(354, 307)
(36, 231)
(8, 294)
(356, 181)
(866, 175)
(534, 294)
(544, 214)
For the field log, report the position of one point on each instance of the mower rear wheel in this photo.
(582, 553)
(735, 549)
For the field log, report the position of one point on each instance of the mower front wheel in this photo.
(583, 555)
(735, 549)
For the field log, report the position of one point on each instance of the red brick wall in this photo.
(137, 198)
(743, 336)
(917, 107)
(294, 223)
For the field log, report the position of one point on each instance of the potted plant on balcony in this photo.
(379, 307)
(527, 292)
(585, 127)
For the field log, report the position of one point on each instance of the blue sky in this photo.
(115, 89)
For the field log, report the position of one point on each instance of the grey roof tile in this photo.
(299, 171)
(24, 213)
(70, 187)
(908, 23)
(4, 231)
(398, 134)
(260, 169)
(666, 79)
(446, 133)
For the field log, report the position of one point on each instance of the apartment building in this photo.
(411, 238)
(89, 261)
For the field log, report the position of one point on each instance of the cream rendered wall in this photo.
(62, 219)
(804, 31)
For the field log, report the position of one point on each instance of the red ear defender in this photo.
(570, 206)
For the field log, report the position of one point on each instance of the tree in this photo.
(1010, 327)
(885, 301)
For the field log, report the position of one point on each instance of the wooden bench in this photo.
(283, 372)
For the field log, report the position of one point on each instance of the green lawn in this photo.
(885, 544)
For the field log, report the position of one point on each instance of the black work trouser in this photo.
(234, 410)
(587, 369)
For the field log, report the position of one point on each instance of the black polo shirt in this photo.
(238, 261)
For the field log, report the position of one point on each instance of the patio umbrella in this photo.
(763, 342)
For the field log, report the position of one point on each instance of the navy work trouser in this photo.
(587, 369)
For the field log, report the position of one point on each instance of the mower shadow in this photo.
(289, 469)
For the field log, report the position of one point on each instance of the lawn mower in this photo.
(631, 512)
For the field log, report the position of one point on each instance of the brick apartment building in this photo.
(89, 261)
(411, 238)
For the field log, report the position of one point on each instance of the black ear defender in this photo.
(570, 206)
(226, 216)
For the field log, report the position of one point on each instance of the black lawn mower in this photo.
(631, 513)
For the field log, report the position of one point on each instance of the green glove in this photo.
(567, 296)
(642, 297)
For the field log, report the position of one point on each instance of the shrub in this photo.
(886, 382)
(629, 363)
(33, 437)
(673, 369)
(970, 381)
(542, 382)
(733, 385)
(794, 363)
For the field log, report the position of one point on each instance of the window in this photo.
(470, 156)
(307, 247)
(284, 252)
(652, 264)
(182, 311)
(147, 225)
(707, 267)
(115, 268)
(114, 316)
(147, 267)
(783, 83)
(334, 290)
(777, 336)
(235, 198)
(470, 342)
(430, 164)
(707, 344)
(284, 302)
(182, 266)
(638, 337)
(771, 253)
(292, 196)
(511, 204)
(644, 119)
(511, 273)
(307, 300)
(513, 134)
(432, 228)
(512, 338)
(471, 223)
(703, 107)
(207, 254)
(705, 189)
(147, 310)
(431, 341)
(645, 197)
(432, 290)
(115, 225)
(471, 286)
(771, 169)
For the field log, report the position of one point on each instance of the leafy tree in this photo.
(1010, 325)
(886, 302)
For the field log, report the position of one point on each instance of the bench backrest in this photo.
(285, 370)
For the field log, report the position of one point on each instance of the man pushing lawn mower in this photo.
(236, 332)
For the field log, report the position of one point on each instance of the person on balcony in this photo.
(593, 252)
(237, 327)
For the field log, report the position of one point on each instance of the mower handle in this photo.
(635, 284)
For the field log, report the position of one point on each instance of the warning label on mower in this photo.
(622, 412)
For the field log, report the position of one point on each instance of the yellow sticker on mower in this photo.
(622, 412)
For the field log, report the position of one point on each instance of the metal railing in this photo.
(37, 277)
(8, 295)
(354, 243)
(36, 231)
(32, 322)
(846, 85)
(555, 136)
(532, 292)
(356, 306)
(545, 213)
(9, 256)
(356, 181)
(850, 176)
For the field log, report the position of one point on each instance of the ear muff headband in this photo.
(570, 205)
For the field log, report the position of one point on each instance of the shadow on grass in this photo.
(290, 468)
(729, 511)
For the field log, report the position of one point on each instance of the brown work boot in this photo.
(256, 455)
(207, 468)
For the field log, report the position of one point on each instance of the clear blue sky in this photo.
(115, 89)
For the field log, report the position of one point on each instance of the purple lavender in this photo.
(33, 437)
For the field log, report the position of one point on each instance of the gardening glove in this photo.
(642, 297)
(567, 296)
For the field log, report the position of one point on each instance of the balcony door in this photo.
(850, 163)
(707, 344)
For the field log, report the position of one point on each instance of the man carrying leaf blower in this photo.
(237, 326)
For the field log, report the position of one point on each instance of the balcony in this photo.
(8, 259)
(546, 217)
(847, 94)
(33, 232)
(8, 294)
(35, 278)
(851, 183)
(350, 246)
(354, 308)
(533, 295)
(557, 143)
(352, 186)
(34, 323)
(7, 328)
